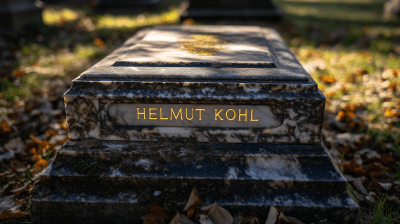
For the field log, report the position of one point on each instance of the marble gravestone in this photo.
(226, 109)
(14, 14)
(230, 9)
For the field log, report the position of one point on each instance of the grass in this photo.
(86, 38)
(397, 176)
(383, 213)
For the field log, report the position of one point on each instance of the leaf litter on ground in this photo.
(213, 214)
(9, 209)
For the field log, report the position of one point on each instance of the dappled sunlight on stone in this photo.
(203, 44)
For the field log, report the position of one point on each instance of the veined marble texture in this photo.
(292, 118)
(104, 101)
(300, 180)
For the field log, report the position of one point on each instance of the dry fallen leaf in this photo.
(188, 22)
(10, 209)
(275, 216)
(250, 220)
(180, 219)
(64, 140)
(388, 159)
(99, 43)
(238, 218)
(353, 169)
(193, 202)
(294, 221)
(40, 164)
(5, 128)
(393, 86)
(156, 215)
(217, 214)
(391, 113)
(362, 72)
(204, 219)
(19, 73)
(63, 126)
(42, 146)
(253, 214)
(327, 79)
(51, 132)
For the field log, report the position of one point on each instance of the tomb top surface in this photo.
(202, 53)
(202, 45)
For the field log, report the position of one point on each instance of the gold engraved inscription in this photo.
(141, 113)
(233, 116)
(217, 114)
(161, 117)
(191, 113)
(200, 113)
(251, 117)
(151, 117)
(245, 114)
(176, 115)
(189, 116)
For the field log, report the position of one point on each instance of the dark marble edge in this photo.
(71, 198)
(195, 73)
(281, 55)
(194, 91)
(197, 81)
(198, 148)
(195, 64)
(239, 96)
(172, 172)
(269, 86)
(63, 172)
(209, 152)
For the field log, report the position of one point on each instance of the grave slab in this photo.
(226, 109)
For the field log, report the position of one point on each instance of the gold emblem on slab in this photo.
(203, 44)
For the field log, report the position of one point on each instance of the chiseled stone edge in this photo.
(57, 188)
(286, 67)
(96, 95)
(89, 86)
(87, 117)
(76, 208)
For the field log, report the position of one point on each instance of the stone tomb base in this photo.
(226, 109)
(94, 181)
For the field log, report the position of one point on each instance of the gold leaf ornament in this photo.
(203, 44)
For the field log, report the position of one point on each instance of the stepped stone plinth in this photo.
(226, 109)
